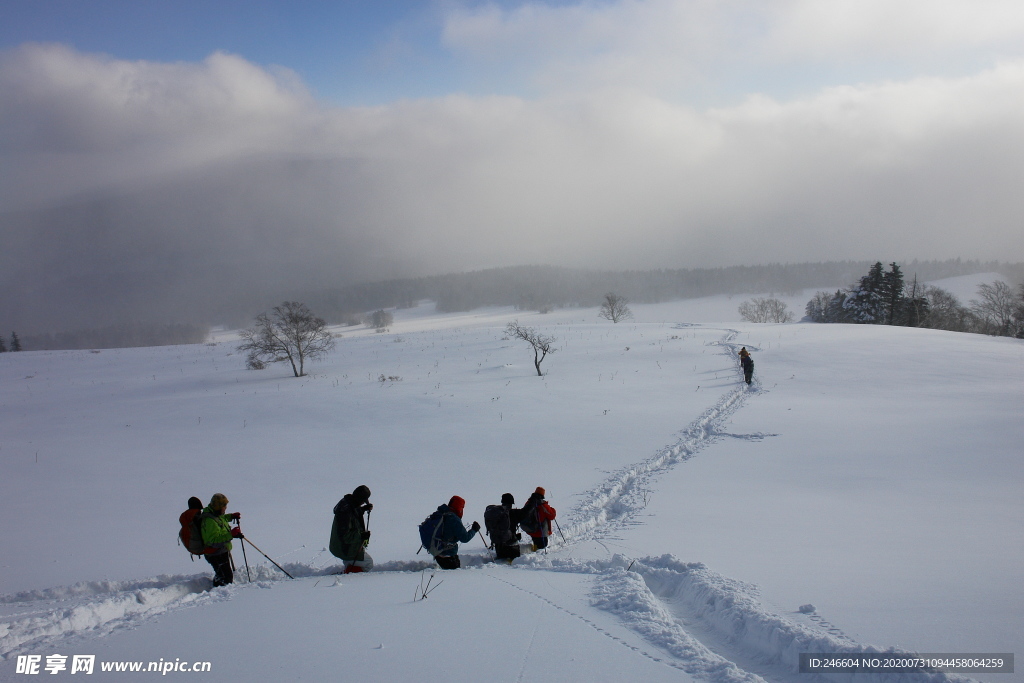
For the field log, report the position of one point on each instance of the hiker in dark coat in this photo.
(748, 364)
(349, 536)
(502, 523)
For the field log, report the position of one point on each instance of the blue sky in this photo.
(364, 52)
(350, 51)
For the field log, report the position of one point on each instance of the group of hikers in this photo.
(208, 531)
(443, 530)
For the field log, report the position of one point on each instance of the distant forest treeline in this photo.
(525, 287)
(540, 287)
(118, 337)
(884, 297)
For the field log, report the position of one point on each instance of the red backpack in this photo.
(191, 533)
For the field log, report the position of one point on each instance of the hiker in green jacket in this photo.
(217, 535)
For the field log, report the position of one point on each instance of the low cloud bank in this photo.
(190, 179)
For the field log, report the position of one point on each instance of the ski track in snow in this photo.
(94, 607)
(621, 496)
(32, 619)
(686, 654)
(707, 625)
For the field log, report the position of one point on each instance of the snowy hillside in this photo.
(874, 473)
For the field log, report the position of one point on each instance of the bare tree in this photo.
(817, 309)
(995, 308)
(945, 311)
(290, 332)
(765, 310)
(541, 343)
(615, 308)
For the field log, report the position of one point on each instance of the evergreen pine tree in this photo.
(3, 347)
(866, 302)
(816, 307)
(836, 311)
(15, 342)
(892, 296)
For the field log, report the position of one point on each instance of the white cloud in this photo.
(841, 28)
(73, 121)
(673, 46)
(222, 161)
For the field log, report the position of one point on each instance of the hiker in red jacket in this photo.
(536, 519)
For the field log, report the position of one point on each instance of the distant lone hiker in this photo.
(217, 535)
(748, 364)
(349, 536)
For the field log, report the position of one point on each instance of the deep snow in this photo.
(873, 472)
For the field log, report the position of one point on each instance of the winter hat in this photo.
(362, 493)
(195, 504)
(218, 501)
(457, 505)
(540, 491)
(507, 499)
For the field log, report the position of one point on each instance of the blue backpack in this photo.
(431, 530)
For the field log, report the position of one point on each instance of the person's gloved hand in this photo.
(236, 533)
(235, 516)
(366, 535)
(475, 527)
(367, 507)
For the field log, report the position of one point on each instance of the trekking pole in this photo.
(560, 531)
(248, 576)
(268, 557)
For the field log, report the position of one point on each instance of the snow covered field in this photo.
(875, 473)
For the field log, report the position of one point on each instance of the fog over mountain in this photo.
(134, 188)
